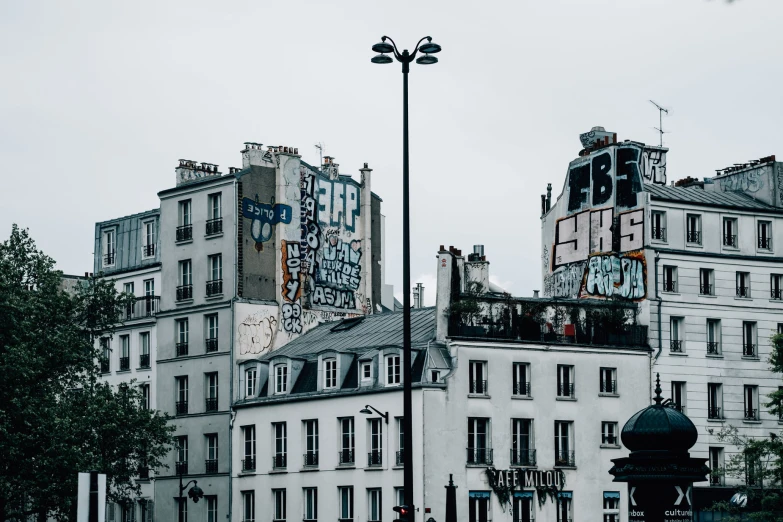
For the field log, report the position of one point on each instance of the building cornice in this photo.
(545, 347)
(719, 255)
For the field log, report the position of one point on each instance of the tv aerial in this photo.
(661, 110)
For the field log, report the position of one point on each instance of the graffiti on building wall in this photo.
(292, 317)
(592, 231)
(780, 183)
(566, 281)
(612, 173)
(339, 266)
(256, 333)
(264, 217)
(338, 203)
(622, 275)
(751, 181)
(654, 166)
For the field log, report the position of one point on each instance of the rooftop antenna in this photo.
(661, 110)
(320, 147)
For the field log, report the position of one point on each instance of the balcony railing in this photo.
(249, 464)
(669, 285)
(748, 350)
(105, 367)
(210, 466)
(522, 389)
(675, 345)
(609, 439)
(279, 461)
(124, 363)
(715, 479)
(181, 468)
(212, 345)
(529, 330)
(144, 360)
(182, 349)
(776, 294)
(565, 390)
(705, 289)
(400, 458)
(148, 250)
(480, 456)
(214, 226)
(181, 407)
(743, 291)
(144, 306)
(730, 240)
(525, 457)
(374, 458)
(478, 387)
(608, 386)
(659, 233)
(211, 404)
(565, 458)
(694, 237)
(184, 292)
(214, 287)
(713, 412)
(108, 259)
(713, 347)
(310, 459)
(765, 243)
(751, 414)
(345, 457)
(185, 233)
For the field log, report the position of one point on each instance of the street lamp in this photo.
(367, 411)
(195, 493)
(384, 48)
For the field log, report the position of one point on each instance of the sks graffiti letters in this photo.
(593, 231)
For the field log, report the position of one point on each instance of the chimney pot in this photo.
(441, 248)
(535, 294)
(85, 274)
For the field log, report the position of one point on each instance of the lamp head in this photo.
(382, 47)
(430, 48)
(381, 58)
(365, 411)
(195, 493)
(426, 60)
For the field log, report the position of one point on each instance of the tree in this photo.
(56, 417)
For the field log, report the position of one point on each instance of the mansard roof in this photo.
(699, 196)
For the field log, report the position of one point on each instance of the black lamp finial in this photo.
(658, 399)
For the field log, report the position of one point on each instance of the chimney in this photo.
(548, 196)
(535, 293)
(330, 168)
(543, 204)
(477, 271)
(418, 296)
(189, 170)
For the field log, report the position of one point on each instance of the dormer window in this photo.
(281, 378)
(251, 380)
(330, 373)
(109, 246)
(392, 370)
(365, 371)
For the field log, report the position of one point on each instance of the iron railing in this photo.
(480, 456)
(185, 233)
(214, 287)
(522, 388)
(478, 387)
(659, 233)
(565, 458)
(776, 293)
(675, 345)
(310, 458)
(144, 306)
(184, 292)
(181, 407)
(211, 404)
(144, 360)
(524, 457)
(182, 349)
(212, 345)
(565, 390)
(713, 412)
(730, 240)
(716, 479)
(595, 334)
(345, 457)
(374, 458)
(105, 367)
(669, 285)
(743, 291)
(608, 386)
(705, 289)
(108, 259)
(713, 347)
(607, 438)
(214, 226)
(249, 464)
(694, 237)
(210, 466)
(748, 350)
(400, 458)
(124, 363)
(765, 243)
(751, 414)
(280, 461)
(181, 468)
(148, 250)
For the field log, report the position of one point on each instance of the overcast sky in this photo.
(99, 99)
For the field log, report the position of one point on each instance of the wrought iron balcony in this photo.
(776, 293)
(659, 233)
(522, 389)
(765, 243)
(743, 291)
(310, 459)
(212, 345)
(345, 457)
(144, 360)
(713, 412)
(751, 414)
(148, 250)
(210, 466)
(181, 468)
(705, 289)
(400, 458)
(214, 226)
(694, 237)
(524, 457)
(713, 347)
(181, 407)
(182, 349)
(478, 387)
(675, 345)
(480, 456)
(105, 367)
(214, 287)
(748, 350)
(141, 307)
(185, 233)
(212, 404)
(730, 240)
(609, 439)
(108, 259)
(184, 292)
(374, 459)
(249, 464)
(565, 458)
(669, 285)
(280, 461)
(124, 363)
(608, 386)
(565, 390)
(716, 479)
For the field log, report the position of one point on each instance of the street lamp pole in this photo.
(405, 58)
(195, 493)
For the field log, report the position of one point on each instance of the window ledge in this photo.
(743, 298)
(246, 473)
(776, 300)
(214, 297)
(659, 241)
(731, 248)
(143, 369)
(670, 293)
(398, 467)
(571, 399)
(479, 396)
(477, 465)
(183, 242)
(522, 397)
(213, 236)
(184, 302)
(694, 245)
(711, 296)
(744, 357)
(608, 394)
(714, 356)
(374, 468)
(564, 467)
(278, 471)
(746, 421)
(716, 420)
(307, 469)
(105, 373)
(534, 466)
(610, 446)
(678, 354)
(123, 371)
(346, 466)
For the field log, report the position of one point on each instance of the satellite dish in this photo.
(739, 500)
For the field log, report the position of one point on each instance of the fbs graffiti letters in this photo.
(612, 173)
(629, 176)
(616, 275)
(292, 318)
(292, 281)
(326, 296)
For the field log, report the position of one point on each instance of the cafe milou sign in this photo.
(547, 483)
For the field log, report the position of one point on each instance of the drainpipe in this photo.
(232, 413)
(658, 298)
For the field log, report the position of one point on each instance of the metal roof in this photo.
(360, 334)
(698, 196)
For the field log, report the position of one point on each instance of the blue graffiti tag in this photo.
(264, 217)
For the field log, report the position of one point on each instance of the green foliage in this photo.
(56, 418)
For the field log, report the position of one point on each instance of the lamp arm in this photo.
(183, 488)
(385, 416)
(416, 49)
(396, 52)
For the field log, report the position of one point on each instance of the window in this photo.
(564, 506)
(127, 288)
(251, 378)
(765, 235)
(211, 389)
(730, 232)
(281, 378)
(144, 350)
(679, 395)
(185, 288)
(110, 512)
(365, 371)
(145, 396)
(280, 433)
(749, 339)
(714, 400)
(374, 509)
(185, 228)
(145, 510)
(211, 462)
(564, 444)
(669, 278)
(480, 506)
(659, 225)
(346, 441)
(214, 215)
(694, 229)
(399, 494)
(743, 284)
(375, 455)
(713, 337)
(706, 281)
(521, 379)
(182, 454)
(311, 443)
(392, 370)
(716, 466)
(124, 352)
(182, 394)
(279, 499)
(565, 381)
(435, 375)
(609, 434)
(310, 504)
(751, 402)
(346, 503)
(215, 267)
(676, 331)
(248, 506)
(608, 381)
(478, 377)
(106, 354)
(182, 337)
(148, 249)
(522, 451)
(523, 506)
(611, 506)
(212, 515)
(775, 286)
(212, 333)
(109, 247)
(330, 373)
(249, 442)
(479, 447)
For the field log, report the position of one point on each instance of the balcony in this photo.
(715, 478)
(565, 390)
(765, 243)
(478, 387)
(181, 468)
(748, 350)
(345, 457)
(608, 386)
(776, 294)
(182, 349)
(705, 289)
(105, 367)
(181, 407)
(142, 307)
(743, 291)
(211, 345)
(669, 285)
(210, 466)
(184, 292)
(211, 404)
(565, 458)
(480, 456)
(659, 233)
(399, 458)
(751, 414)
(609, 440)
(713, 412)
(374, 459)
(279, 461)
(214, 287)
(310, 459)
(214, 226)
(694, 237)
(108, 259)
(713, 348)
(185, 233)
(249, 464)
(730, 240)
(144, 360)
(526, 457)
(148, 250)
(521, 389)
(675, 345)
(124, 364)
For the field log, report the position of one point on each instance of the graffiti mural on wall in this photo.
(256, 333)
(654, 166)
(565, 282)
(264, 217)
(592, 231)
(339, 266)
(338, 203)
(744, 182)
(622, 275)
